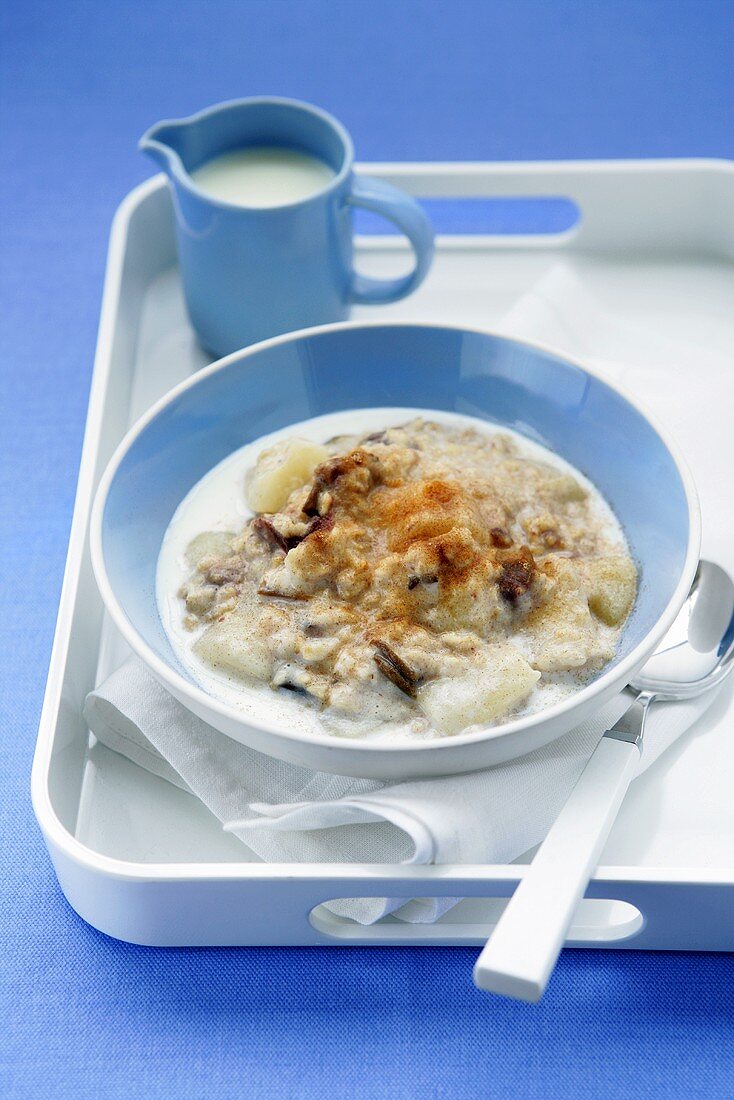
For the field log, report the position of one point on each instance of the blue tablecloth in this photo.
(83, 1015)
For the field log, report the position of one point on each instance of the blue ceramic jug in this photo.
(254, 272)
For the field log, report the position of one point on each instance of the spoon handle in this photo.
(524, 946)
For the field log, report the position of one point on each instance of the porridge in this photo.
(420, 578)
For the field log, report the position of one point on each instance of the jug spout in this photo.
(165, 142)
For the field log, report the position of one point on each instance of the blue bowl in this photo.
(350, 366)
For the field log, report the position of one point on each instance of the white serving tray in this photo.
(144, 861)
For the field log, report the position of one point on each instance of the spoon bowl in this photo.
(698, 649)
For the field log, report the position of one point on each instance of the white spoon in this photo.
(694, 656)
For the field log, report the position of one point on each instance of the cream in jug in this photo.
(263, 175)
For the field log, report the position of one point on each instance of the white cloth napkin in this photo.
(288, 814)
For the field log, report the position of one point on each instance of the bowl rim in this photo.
(185, 690)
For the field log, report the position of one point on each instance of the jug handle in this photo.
(389, 202)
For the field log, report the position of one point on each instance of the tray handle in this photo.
(625, 207)
(603, 921)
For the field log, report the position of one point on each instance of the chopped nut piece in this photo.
(319, 523)
(427, 578)
(552, 539)
(395, 668)
(500, 537)
(516, 576)
(311, 503)
(281, 541)
(266, 528)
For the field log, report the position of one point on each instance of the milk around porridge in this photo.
(412, 580)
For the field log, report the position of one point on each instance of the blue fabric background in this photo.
(83, 1015)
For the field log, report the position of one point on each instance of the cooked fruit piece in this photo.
(214, 544)
(281, 469)
(232, 646)
(561, 633)
(566, 489)
(200, 599)
(611, 586)
(483, 694)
